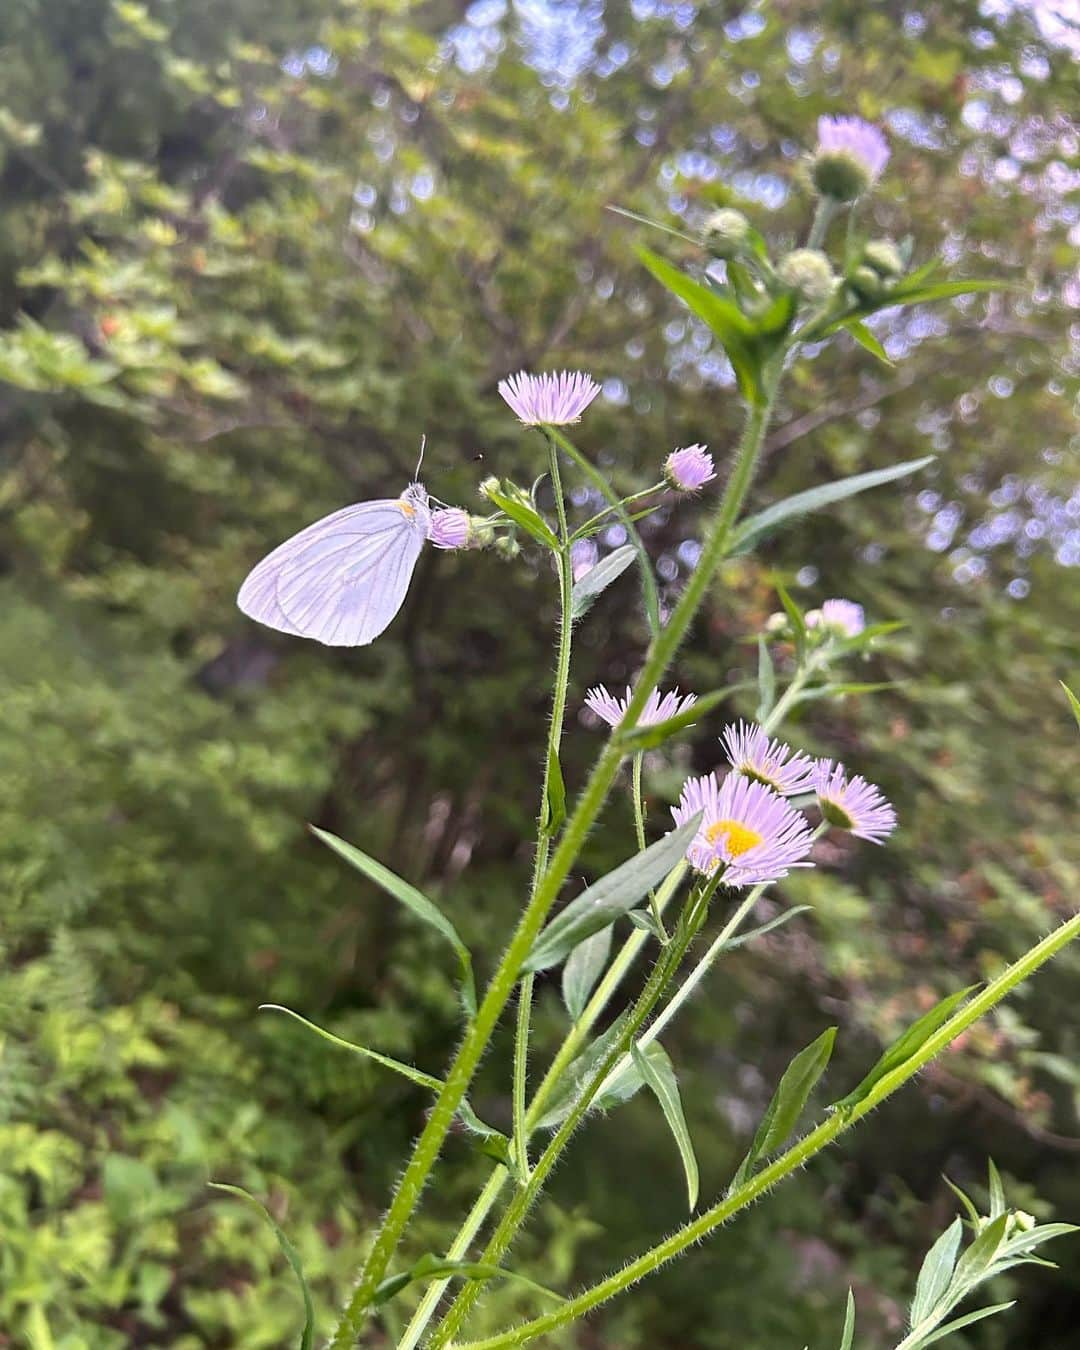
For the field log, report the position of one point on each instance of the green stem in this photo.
(521, 1065)
(660, 654)
(522, 1202)
(639, 833)
(808, 1147)
(826, 208)
(588, 528)
(648, 580)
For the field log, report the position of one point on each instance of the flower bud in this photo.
(776, 623)
(850, 157)
(884, 257)
(506, 546)
(450, 528)
(689, 469)
(1022, 1221)
(488, 486)
(809, 272)
(866, 283)
(726, 232)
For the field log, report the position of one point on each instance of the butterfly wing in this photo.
(341, 580)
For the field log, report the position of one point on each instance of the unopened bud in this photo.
(866, 283)
(488, 486)
(809, 272)
(884, 257)
(726, 231)
(776, 623)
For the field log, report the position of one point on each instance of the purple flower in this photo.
(450, 528)
(658, 707)
(862, 141)
(852, 804)
(850, 157)
(840, 616)
(552, 400)
(773, 763)
(746, 829)
(689, 469)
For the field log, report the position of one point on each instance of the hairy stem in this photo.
(837, 1124)
(660, 654)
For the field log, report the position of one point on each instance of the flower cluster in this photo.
(749, 831)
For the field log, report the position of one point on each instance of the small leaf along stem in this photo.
(808, 1147)
(639, 831)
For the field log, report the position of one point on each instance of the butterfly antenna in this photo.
(419, 462)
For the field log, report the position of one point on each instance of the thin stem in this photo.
(826, 208)
(521, 1066)
(639, 832)
(593, 521)
(523, 1201)
(837, 1124)
(648, 580)
(660, 654)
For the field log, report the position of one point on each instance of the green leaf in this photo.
(935, 1275)
(764, 928)
(966, 1321)
(971, 1211)
(865, 338)
(906, 1045)
(1074, 702)
(555, 804)
(599, 578)
(905, 293)
(583, 968)
(424, 1080)
(654, 224)
(412, 899)
(610, 897)
(307, 1338)
(847, 1336)
(431, 1267)
(658, 1072)
(791, 1095)
(521, 513)
(974, 1266)
(997, 1191)
(795, 615)
(723, 316)
(582, 1069)
(647, 738)
(766, 676)
(746, 536)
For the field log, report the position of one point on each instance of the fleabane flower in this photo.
(449, 528)
(853, 804)
(658, 707)
(551, 400)
(844, 617)
(751, 753)
(689, 469)
(747, 832)
(850, 157)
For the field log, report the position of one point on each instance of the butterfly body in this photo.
(343, 579)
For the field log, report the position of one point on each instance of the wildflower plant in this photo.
(685, 899)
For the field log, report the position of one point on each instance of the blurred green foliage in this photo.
(249, 253)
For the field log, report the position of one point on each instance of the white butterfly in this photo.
(342, 580)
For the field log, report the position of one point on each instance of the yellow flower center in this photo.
(738, 837)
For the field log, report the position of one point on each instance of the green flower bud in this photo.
(840, 175)
(776, 623)
(726, 231)
(506, 546)
(488, 486)
(1022, 1221)
(866, 283)
(884, 257)
(808, 272)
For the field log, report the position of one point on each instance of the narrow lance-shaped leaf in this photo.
(648, 737)
(1074, 702)
(847, 1336)
(865, 337)
(583, 968)
(777, 922)
(936, 1272)
(413, 900)
(555, 803)
(521, 513)
(721, 314)
(814, 499)
(307, 1336)
(969, 1319)
(659, 1073)
(791, 1095)
(605, 901)
(795, 616)
(905, 1046)
(598, 578)
(433, 1267)
(417, 1076)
